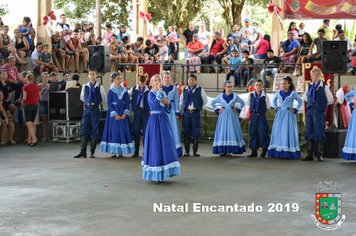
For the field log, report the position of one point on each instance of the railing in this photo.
(185, 73)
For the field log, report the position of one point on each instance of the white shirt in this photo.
(102, 92)
(263, 94)
(203, 37)
(252, 30)
(349, 44)
(328, 94)
(64, 29)
(190, 107)
(34, 56)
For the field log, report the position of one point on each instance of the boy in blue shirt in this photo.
(234, 60)
(93, 94)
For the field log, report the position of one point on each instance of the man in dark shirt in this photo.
(152, 50)
(235, 33)
(170, 60)
(270, 65)
(188, 37)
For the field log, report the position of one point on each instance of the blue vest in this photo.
(134, 97)
(197, 99)
(98, 95)
(320, 101)
(263, 105)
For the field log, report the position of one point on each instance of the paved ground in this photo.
(44, 191)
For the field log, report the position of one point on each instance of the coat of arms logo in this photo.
(328, 206)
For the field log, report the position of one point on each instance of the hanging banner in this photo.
(320, 9)
(326, 78)
(148, 70)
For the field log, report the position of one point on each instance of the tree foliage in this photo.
(115, 12)
(174, 12)
(233, 8)
(4, 9)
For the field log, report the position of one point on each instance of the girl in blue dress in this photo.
(228, 136)
(173, 115)
(117, 136)
(160, 159)
(349, 150)
(284, 138)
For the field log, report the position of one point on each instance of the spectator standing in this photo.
(301, 30)
(64, 27)
(31, 96)
(245, 43)
(188, 37)
(122, 33)
(204, 37)
(318, 42)
(293, 28)
(107, 34)
(43, 104)
(26, 31)
(327, 30)
(173, 45)
(235, 33)
(160, 38)
(255, 24)
(254, 34)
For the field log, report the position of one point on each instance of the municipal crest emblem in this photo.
(295, 5)
(328, 214)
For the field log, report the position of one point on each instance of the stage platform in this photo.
(44, 191)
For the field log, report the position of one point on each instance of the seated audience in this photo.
(302, 53)
(289, 50)
(195, 49)
(271, 65)
(75, 46)
(318, 42)
(216, 51)
(58, 52)
(263, 46)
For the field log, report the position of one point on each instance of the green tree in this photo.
(115, 12)
(233, 8)
(3, 9)
(174, 12)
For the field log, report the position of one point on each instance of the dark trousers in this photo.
(17, 87)
(139, 122)
(231, 72)
(315, 125)
(246, 75)
(258, 130)
(210, 58)
(90, 123)
(191, 124)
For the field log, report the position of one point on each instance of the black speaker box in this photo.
(334, 57)
(65, 105)
(99, 58)
(335, 142)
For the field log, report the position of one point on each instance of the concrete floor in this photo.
(44, 191)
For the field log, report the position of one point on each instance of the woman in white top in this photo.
(204, 37)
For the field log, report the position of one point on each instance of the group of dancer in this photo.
(156, 113)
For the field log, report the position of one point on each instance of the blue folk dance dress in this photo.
(284, 138)
(349, 149)
(173, 97)
(117, 135)
(228, 135)
(160, 159)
